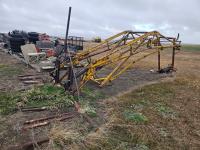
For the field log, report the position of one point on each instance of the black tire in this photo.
(16, 49)
(33, 34)
(16, 36)
(6, 46)
(16, 43)
(17, 40)
(33, 39)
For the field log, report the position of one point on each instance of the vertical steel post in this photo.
(67, 31)
(159, 44)
(173, 54)
(159, 60)
(70, 79)
(57, 74)
(70, 71)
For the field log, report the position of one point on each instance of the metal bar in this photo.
(173, 53)
(129, 65)
(57, 74)
(70, 74)
(47, 118)
(110, 75)
(158, 60)
(67, 30)
(70, 79)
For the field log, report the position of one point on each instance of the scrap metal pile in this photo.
(32, 45)
(121, 51)
(15, 39)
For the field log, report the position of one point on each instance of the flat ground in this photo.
(140, 110)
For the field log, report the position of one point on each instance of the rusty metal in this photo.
(33, 109)
(158, 60)
(47, 118)
(32, 82)
(173, 53)
(31, 126)
(29, 78)
(34, 123)
(65, 117)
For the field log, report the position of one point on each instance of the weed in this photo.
(144, 102)
(88, 101)
(165, 111)
(141, 147)
(8, 102)
(134, 116)
(88, 109)
(91, 112)
(47, 95)
(139, 105)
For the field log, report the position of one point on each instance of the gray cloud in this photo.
(103, 18)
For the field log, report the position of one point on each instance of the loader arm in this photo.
(121, 51)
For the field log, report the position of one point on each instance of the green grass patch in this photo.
(190, 47)
(88, 100)
(88, 109)
(91, 94)
(165, 111)
(134, 116)
(49, 96)
(144, 102)
(8, 102)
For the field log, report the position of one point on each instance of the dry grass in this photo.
(167, 107)
(158, 116)
(61, 137)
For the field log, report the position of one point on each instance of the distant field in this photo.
(191, 47)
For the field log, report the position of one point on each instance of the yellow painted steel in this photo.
(121, 51)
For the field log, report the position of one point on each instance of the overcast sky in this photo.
(103, 18)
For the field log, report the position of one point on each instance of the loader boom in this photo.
(121, 51)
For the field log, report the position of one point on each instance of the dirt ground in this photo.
(188, 68)
(10, 69)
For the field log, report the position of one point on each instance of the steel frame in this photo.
(120, 50)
